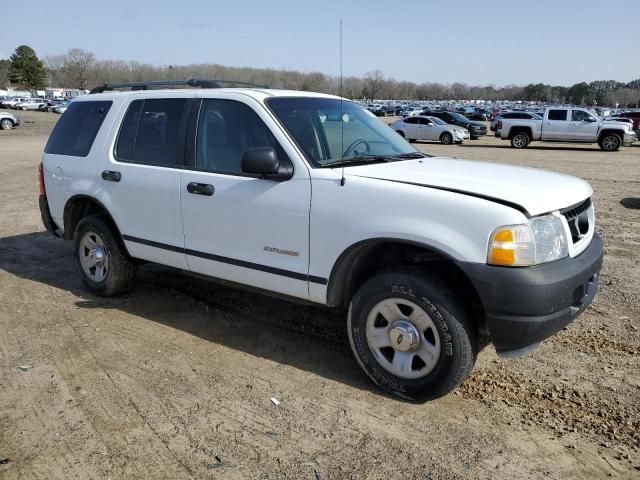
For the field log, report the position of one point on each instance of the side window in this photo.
(151, 132)
(557, 114)
(413, 120)
(226, 128)
(77, 129)
(424, 121)
(580, 116)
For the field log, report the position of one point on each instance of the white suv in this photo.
(311, 197)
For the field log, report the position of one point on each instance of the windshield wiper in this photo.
(359, 160)
(409, 156)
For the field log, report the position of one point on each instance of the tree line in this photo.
(82, 70)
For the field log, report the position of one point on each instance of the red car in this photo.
(635, 116)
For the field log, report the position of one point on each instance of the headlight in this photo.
(541, 240)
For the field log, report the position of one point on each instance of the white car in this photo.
(567, 124)
(8, 120)
(310, 197)
(31, 104)
(422, 127)
(9, 103)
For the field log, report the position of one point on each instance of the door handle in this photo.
(200, 189)
(111, 176)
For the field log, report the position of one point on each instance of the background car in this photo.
(476, 130)
(9, 103)
(31, 104)
(421, 127)
(61, 108)
(8, 120)
(635, 116)
(525, 115)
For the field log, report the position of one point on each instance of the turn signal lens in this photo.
(512, 246)
(541, 240)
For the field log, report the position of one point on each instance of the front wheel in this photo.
(610, 142)
(411, 335)
(446, 138)
(520, 140)
(6, 124)
(104, 265)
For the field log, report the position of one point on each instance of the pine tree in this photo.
(26, 69)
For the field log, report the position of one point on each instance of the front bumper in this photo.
(478, 133)
(526, 305)
(629, 139)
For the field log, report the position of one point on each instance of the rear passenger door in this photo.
(142, 178)
(238, 227)
(555, 125)
(410, 127)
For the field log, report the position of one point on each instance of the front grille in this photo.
(575, 211)
(578, 220)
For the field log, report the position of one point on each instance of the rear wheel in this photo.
(411, 335)
(610, 142)
(520, 140)
(6, 124)
(446, 138)
(103, 263)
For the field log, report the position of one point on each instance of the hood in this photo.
(615, 123)
(531, 190)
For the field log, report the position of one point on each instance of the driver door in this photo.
(425, 129)
(239, 228)
(583, 126)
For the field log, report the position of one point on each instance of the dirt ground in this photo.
(175, 379)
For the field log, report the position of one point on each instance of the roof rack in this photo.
(192, 82)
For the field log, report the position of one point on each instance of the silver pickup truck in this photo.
(567, 124)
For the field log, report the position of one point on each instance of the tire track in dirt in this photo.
(561, 409)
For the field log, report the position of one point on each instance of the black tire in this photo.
(458, 342)
(120, 274)
(400, 132)
(446, 138)
(474, 138)
(6, 124)
(520, 140)
(610, 142)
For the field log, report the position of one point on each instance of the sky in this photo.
(498, 42)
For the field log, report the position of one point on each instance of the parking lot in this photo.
(175, 380)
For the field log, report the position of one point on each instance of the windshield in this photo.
(329, 130)
(458, 117)
(437, 121)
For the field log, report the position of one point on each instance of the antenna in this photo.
(342, 179)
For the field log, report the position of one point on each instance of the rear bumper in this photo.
(524, 306)
(45, 214)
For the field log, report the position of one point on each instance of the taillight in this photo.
(499, 124)
(41, 180)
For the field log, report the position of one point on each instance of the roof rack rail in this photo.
(192, 82)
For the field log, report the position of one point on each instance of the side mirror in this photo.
(263, 161)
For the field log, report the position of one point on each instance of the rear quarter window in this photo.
(76, 130)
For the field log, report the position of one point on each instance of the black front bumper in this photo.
(525, 305)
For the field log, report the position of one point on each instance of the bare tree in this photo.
(373, 82)
(76, 65)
